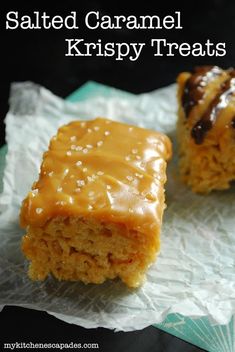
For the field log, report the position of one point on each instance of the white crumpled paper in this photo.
(195, 272)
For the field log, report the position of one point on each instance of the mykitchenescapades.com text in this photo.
(49, 345)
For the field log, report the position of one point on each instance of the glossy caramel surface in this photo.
(104, 169)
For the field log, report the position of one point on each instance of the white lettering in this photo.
(220, 49)
(73, 19)
(178, 26)
(13, 19)
(88, 17)
(57, 22)
(136, 51)
(109, 49)
(158, 45)
(26, 22)
(72, 46)
(168, 22)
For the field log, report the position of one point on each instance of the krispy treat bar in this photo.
(206, 128)
(95, 212)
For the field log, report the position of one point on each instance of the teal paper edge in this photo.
(200, 332)
(92, 89)
(87, 90)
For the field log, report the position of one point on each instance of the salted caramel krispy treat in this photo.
(206, 128)
(96, 211)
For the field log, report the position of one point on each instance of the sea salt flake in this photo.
(34, 192)
(139, 175)
(80, 183)
(100, 173)
(39, 210)
(129, 178)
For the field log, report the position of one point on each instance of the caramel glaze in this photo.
(104, 169)
(194, 88)
(227, 90)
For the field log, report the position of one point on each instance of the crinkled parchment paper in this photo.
(195, 271)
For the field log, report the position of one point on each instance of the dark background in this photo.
(39, 56)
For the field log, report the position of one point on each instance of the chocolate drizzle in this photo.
(233, 122)
(194, 88)
(227, 89)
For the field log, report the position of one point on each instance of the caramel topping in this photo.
(104, 169)
(195, 86)
(221, 101)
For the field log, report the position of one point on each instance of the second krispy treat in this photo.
(206, 128)
(95, 212)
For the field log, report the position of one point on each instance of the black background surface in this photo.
(39, 56)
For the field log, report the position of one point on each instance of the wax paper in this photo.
(194, 274)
